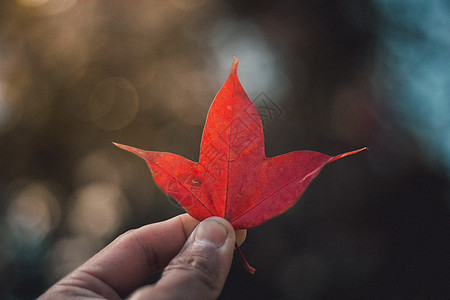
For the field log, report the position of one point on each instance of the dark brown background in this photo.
(78, 75)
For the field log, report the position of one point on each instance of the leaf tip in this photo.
(117, 145)
(138, 152)
(235, 65)
(346, 154)
(124, 147)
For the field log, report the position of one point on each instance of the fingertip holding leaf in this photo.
(233, 178)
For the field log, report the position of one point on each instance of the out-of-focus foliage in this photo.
(414, 69)
(76, 75)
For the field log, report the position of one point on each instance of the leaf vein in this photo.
(181, 184)
(276, 191)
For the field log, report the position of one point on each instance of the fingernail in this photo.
(211, 231)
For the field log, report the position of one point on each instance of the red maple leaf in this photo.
(233, 178)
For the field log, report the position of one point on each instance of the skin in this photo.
(195, 258)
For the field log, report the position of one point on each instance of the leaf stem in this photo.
(247, 266)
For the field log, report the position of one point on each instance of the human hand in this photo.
(195, 265)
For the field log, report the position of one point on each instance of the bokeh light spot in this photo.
(48, 7)
(98, 210)
(32, 3)
(187, 4)
(97, 167)
(5, 109)
(35, 211)
(413, 65)
(113, 103)
(259, 69)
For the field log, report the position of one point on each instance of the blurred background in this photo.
(329, 76)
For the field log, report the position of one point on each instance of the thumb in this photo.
(200, 269)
